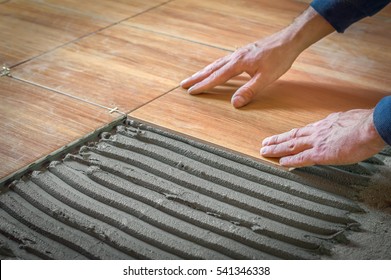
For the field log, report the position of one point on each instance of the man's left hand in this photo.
(341, 138)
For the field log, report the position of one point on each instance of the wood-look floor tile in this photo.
(122, 66)
(109, 10)
(286, 104)
(360, 56)
(360, 53)
(29, 28)
(35, 122)
(341, 72)
(223, 23)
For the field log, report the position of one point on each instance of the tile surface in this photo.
(225, 24)
(359, 52)
(122, 66)
(35, 122)
(284, 105)
(143, 192)
(128, 65)
(341, 72)
(29, 28)
(108, 10)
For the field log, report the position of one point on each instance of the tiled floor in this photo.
(121, 66)
(30, 28)
(35, 122)
(339, 73)
(280, 108)
(71, 61)
(223, 24)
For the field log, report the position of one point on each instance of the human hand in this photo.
(265, 61)
(341, 138)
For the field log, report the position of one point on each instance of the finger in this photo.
(247, 92)
(216, 78)
(305, 158)
(286, 136)
(204, 73)
(291, 147)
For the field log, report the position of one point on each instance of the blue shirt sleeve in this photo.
(382, 119)
(342, 13)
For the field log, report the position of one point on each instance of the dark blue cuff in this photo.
(342, 13)
(382, 119)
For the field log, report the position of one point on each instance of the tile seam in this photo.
(179, 38)
(87, 35)
(110, 110)
(57, 153)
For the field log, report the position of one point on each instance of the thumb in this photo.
(248, 91)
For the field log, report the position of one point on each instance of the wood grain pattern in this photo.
(341, 72)
(359, 52)
(35, 122)
(29, 28)
(122, 66)
(111, 11)
(226, 24)
(284, 105)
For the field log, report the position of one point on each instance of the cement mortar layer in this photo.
(146, 193)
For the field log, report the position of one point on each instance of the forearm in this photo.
(305, 30)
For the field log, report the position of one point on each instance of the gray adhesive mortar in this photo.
(373, 239)
(146, 193)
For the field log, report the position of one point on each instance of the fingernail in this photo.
(190, 89)
(265, 141)
(183, 82)
(264, 150)
(238, 101)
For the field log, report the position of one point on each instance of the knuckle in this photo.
(304, 159)
(239, 55)
(248, 92)
(272, 139)
(293, 133)
(214, 75)
(300, 157)
(275, 139)
(292, 145)
(210, 69)
(273, 149)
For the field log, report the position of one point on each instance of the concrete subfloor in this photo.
(146, 193)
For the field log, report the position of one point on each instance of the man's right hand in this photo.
(265, 60)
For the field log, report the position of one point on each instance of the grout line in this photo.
(111, 110)
(89, 34)
(152, 100)
(57, 154)
(179, 38)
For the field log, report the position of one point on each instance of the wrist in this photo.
(307, 29)
(373, 137)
